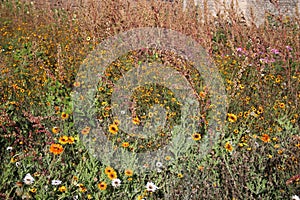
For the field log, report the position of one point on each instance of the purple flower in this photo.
(239, 49)
(289, 48)
(275, 51)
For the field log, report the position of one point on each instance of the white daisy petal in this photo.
(28, 179)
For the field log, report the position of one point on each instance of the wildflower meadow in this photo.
(146, 100)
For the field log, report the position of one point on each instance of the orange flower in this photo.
(265, 138)
(86, 130)
(56, 149)
(202, 94)
(125, 144)
(76, 84)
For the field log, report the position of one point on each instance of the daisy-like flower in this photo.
(102, 185)
(108, 170)
(82, 188)
(231, 117)
(63, 139)
(112, 175)
(76, 84)
(9, 148)
(113, 129)
(62, 189)
(64, 115)
(86, 130)
(136, 121)
(56, 149)
(125, 144)
(18, 164)
(71, 140)
(265, 138)
(128, 172)
(55, 130)
(179, 175)
(159, 164)
(33, 190)
(116, 182)
(28, 179)
(228, 147)
(295, 197)
(151, 187)
(196, 136)
(55, 182)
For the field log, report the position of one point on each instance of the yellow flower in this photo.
(116, 122)
(63, 139)
(276, 146)
(71, 140)
(113, 129)
(62, 189)
(179, 175)
(13, 160)
(89, 196)
(196, 136)
(102, 185)
(136, 121)
(108, 170)
(55, 130)
(202, 94)
(282, 105)
(168, 158)
(270, 156)
(228, 147)
(76, 84)
(201, 168)
(33, 190)
(128, 172)
(82, 188)
(112, 175)
(64, 115)
(125, 144)
(231, 117)
(260, 110)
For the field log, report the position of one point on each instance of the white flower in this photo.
(151, 187)
(159, 164)
(55, 182)
(295, 197)
(28, 179)
(18, 164)
(116, 182)
(159, 170)
(9, 148)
